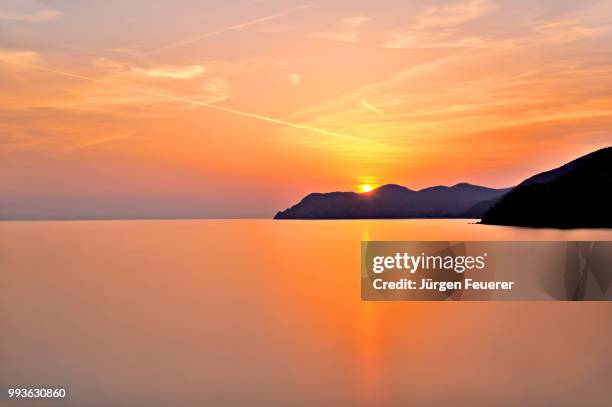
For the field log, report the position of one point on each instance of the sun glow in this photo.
(365, 188)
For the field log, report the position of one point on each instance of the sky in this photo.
(148, 108)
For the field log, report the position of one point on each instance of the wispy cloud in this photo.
(295, 79)
(355, 21)
(190, 101)
(18, 56)
(102, 140)
(453, 14)
(171, 72)
(544, 75)
(226, 29)
(567, 30)
(346, 31)
(215, 90)
(371, 107)
(405, 40)
(437, 26)
(28, 12)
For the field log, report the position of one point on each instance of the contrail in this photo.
(198, 103)
(99, 141)
(227, 29)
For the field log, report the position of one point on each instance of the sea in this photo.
(268, 313)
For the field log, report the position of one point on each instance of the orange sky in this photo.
(239, 108)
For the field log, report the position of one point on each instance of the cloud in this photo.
(172, 72)
(355, 21)
(102, 140)
(169, 97)
(28, 12)
(346, 31)
(18, 56)
(445, 27)
(486, 91)
(453, 14)
(109, 65)
(215, 90)
(371, 107)
(407, 40)
(51, 129)
(437, 27)
(230, 28)
(567, 30)
(295, 79)
(532, 78)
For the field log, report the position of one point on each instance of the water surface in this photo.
(267, 313)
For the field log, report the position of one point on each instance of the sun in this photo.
(365, 188)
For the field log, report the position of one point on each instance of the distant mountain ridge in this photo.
(577, 194)
(393, 201)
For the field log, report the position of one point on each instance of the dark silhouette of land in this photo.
(395, 201)
(576, 195)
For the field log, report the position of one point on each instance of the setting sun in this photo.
(365, 188)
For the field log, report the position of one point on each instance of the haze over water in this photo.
(267, 313)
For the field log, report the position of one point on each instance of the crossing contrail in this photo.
(198, 103)
(227, 29)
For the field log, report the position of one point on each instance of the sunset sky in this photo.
(239, 108)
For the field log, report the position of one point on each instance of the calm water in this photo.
(267, 313)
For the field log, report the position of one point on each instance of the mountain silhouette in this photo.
(395, 201)
(575, 195)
